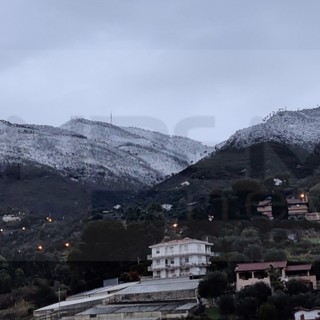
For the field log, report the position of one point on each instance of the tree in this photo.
(226, 304)
(279, 235)
(214, 285)
(44, 293)
(248, 192)
(282, 303)
(19, 277)
(296, 286)
(260, 291)
(246, 308)
(279, 205)
(253, 252)
(237, 257)
(218, 205)
(267, 311)
(250, 298)
(5, 282)
(275, 255)
(275, 278)
(314, 197)
(303, 300)
(316, 267)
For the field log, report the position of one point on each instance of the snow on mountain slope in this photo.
(70, 154)
(301, 128)
(161, 152)
(174, 145)
(92, 151)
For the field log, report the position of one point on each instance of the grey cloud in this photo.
(232, 24)
(162, 60)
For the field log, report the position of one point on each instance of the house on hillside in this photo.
(297, 208)
(313, 216)
(265, 207)
(185, 257)
(305, 314)
(250, 273)
(11, 218)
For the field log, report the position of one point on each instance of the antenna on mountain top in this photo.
(110, 117)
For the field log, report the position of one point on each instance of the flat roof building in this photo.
(147, 299)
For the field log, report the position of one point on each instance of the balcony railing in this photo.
(178, 266)
(182, 254)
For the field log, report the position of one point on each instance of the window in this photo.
(260, 274)
(157, 251)
(187, 259)
(245, 275)
(172, 261)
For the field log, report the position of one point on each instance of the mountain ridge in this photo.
(98, 152)
(286, 145)
(300, 128)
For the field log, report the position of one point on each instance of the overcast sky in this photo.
(192, 67)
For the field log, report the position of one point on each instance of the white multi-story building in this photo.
(185, 257)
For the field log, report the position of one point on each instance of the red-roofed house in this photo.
(250, 273)
(297, 207)
(265, 208)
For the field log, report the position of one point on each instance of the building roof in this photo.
(180, 241)
(257, 266)
(146, 286)
(102, 290)
(161, 285)
(141, 307)
(97, 295)
(72, 303)
(296, 201)
(264, 203)
(299, 267)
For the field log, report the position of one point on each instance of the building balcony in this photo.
(155, 268)
(180, 254)
(178, 266)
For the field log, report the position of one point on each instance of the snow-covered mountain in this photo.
(300, 128)
(99, 152)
